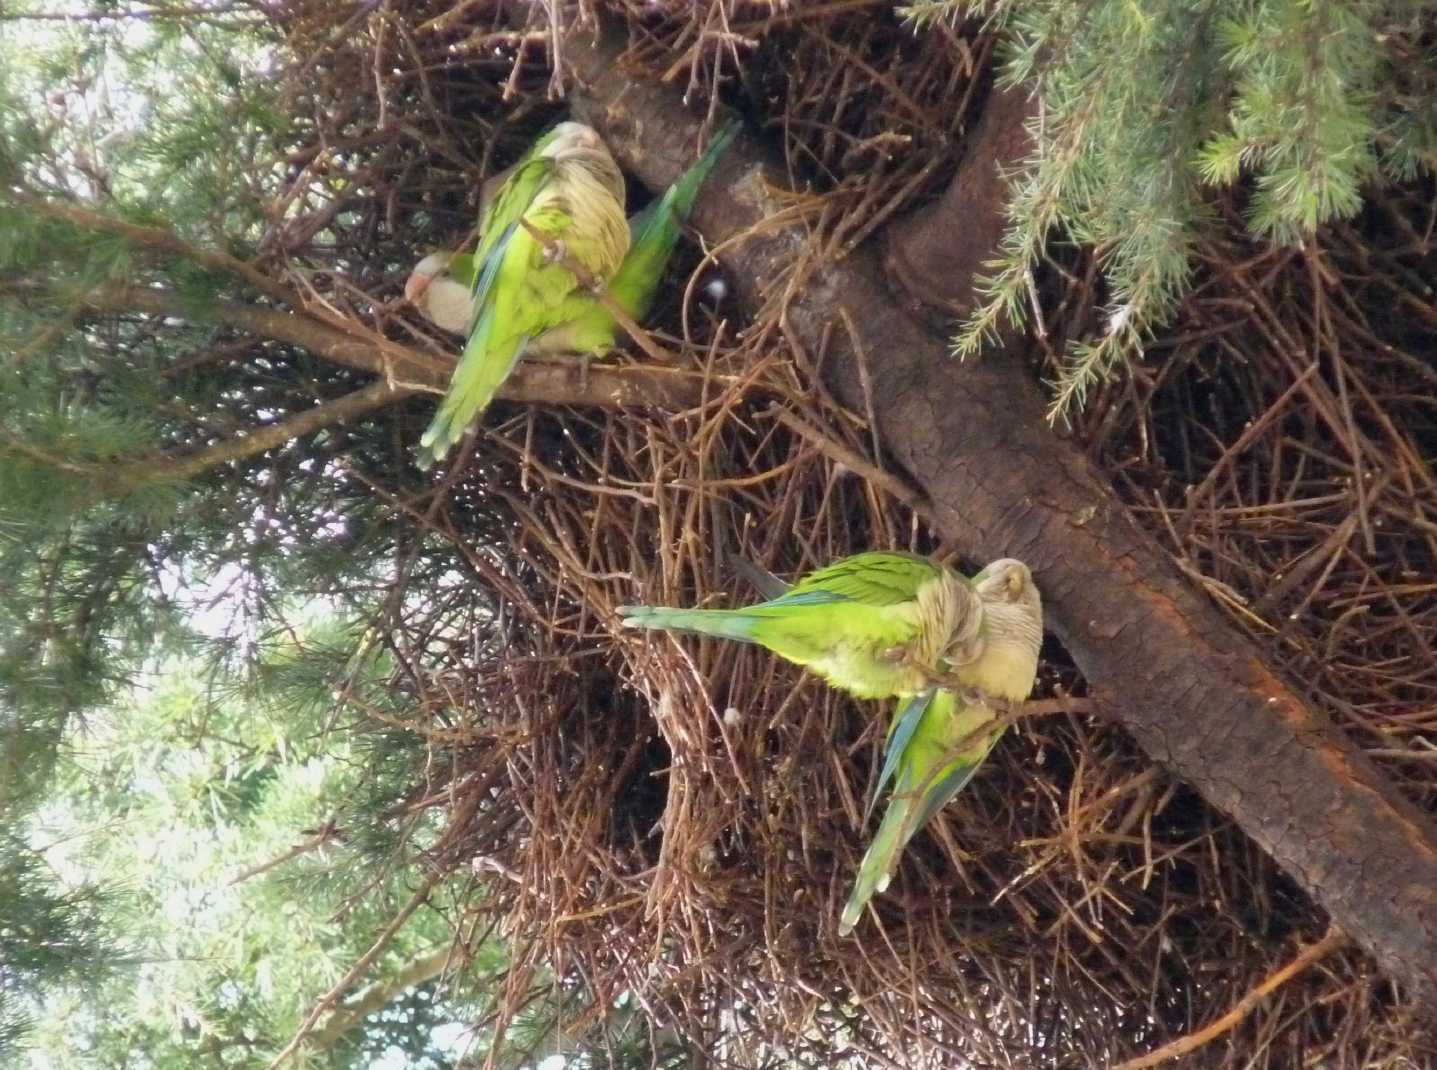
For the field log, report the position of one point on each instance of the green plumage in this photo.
(583, 324)
(461, 270)
(929, 772)
(586, 326)
(886, 624)
(937, 742)
(874, 624)
(568, 189)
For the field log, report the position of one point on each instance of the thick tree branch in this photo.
(936, 254)
(406, 369)
(176, 468)
(369, 352)
(403, 371)
(973, 437)
(155, 238)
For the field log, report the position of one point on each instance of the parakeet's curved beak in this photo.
(424, 273)
(587, 138)
(1006, 577)
(416, 284)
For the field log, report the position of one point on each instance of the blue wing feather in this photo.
(938, 795)
(807, 598)
(484, 281)
(905, 723)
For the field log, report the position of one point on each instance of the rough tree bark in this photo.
(1158, 656)
(935, 255)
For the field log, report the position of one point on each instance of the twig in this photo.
(1046, 707)
(860, 358)
(343, 985)
(856, 463)
(255, 440)
(325, 834)
(594, 286)
(1334, 939)
(412, 369)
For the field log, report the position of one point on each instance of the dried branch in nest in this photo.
(679, 820)
(1158, 653)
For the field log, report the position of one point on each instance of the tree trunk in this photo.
(1158, 656)
(936, 254)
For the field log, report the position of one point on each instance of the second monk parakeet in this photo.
(877, 624)
(441, 285)
(568, 188)
(936, 742)
(589, 327)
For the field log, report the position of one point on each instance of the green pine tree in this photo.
(1148, 108)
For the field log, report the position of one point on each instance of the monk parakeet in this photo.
(442, 287)
(936, 742)
(568, 188)
(876, 625)
(442, 284)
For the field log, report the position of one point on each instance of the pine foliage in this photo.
(1147, 108)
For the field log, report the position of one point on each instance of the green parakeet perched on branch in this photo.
(569, 189)
(936, 742)
(442, 284)
(877, 624)
(442, 287)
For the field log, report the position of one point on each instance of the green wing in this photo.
(876, 578)
(500, 222)
(519, 288)
(900, 733)
(476, 376)
(505, 196)
(931, 757)
(844, 622)
(585, 325)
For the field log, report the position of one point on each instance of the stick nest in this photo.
(680, 820)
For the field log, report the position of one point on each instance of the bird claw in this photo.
(949, 681)
(969, 695)
(973, 696)
(999, 707)
(555, 251)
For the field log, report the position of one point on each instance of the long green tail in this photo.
(725, 623)
(907, 813)
(476, 380)
(655, 231)
(879, 861)
(681, 194)
(928, 770)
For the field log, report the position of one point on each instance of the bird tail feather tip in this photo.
(724, 623)
(435, 442)
(876, 869)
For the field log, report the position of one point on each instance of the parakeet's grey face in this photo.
(570, 140)
(1008, 580)
(424, 273)
(580, 149)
